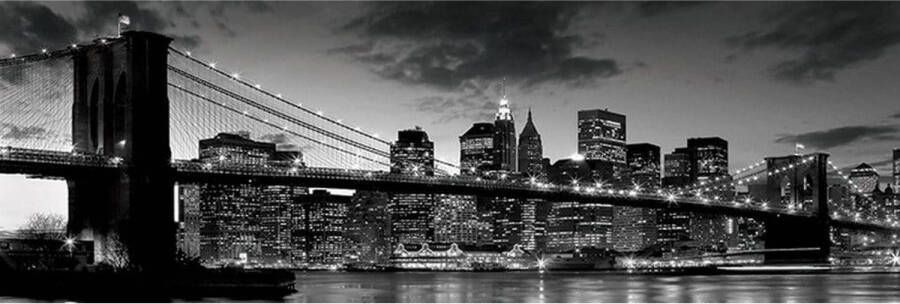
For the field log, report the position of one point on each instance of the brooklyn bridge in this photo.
(121, 117)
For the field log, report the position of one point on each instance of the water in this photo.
(583, 287)
(592, 287)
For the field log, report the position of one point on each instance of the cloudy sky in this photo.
(761, 75)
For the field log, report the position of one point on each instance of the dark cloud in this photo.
(445, 45)
(830, 37)
(896, 115)
(836, 137)
(29, 27)
(655, 8)
(14, 132)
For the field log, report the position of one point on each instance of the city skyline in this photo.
(710, 72)
(339, 151)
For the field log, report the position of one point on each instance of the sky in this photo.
(762, 75)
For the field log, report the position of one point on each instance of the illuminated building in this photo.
(562, 227)
(504, 138)
(709, 160)
(189, 220)
(368, 228)
(456, 220)
(531, 151)
(588, 223)
(635, 228)
(865, 178)
(476, 155)
(247, 222)
(601, 137)
(413, 153)
(326, 215)
(411, 213)
(672, 225)
(506, 217)
(459, 258)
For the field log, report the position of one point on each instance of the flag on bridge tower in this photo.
(123, 23)
(798, 147)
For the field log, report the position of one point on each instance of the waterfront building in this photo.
(456, 220)
(476, 155)
(326, 215)
(675, 226)
(531, 151)
(411, 213)
(635, 228)
(367, 232)
(709, 160)
(189, 220)
(243, 222)
(453, 257)
(504, 138)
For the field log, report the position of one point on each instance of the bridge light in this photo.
(212, 65)
(13, 55)
(236, 76)
(632, 193)
(670, 197)
(44, 51)
(188, 53)
(278, 95)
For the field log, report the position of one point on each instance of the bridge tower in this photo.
(121, 109)
(805, 186)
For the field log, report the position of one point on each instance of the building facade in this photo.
(601, 137)
(531, 151)
(635, 228)
(476, 154)
(324, 242)
(245, 222)
(865, 178)
(412, 153)
(505, 138)
(896, 169)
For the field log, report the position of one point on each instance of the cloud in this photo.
(29, 27)
(447, 45)
(14, 132)
(896, 115)
(837, 137)
(829, 37)
(656, 8)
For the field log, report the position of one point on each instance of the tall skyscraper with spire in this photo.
(505, 138)
(531, 151)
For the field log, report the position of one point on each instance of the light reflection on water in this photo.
(592, 287)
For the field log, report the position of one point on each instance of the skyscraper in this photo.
(531, 151)
(601, 137)
(411, 213)
(324, 233)
(368, 228)
(246, 221)
(588, 224)
(865, 178)
(412, 153)
(456, 220)
(476, 154)
(635, 228)
(505, 138)
(674, 225)
(709, 160)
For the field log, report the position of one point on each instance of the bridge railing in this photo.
(58, 158)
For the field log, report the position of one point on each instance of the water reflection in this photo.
(592, 287)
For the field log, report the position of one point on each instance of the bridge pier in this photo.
(806, 187)
(121, 109)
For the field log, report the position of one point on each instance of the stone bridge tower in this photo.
(121, 109)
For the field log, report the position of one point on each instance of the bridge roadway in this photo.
(63, 164)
